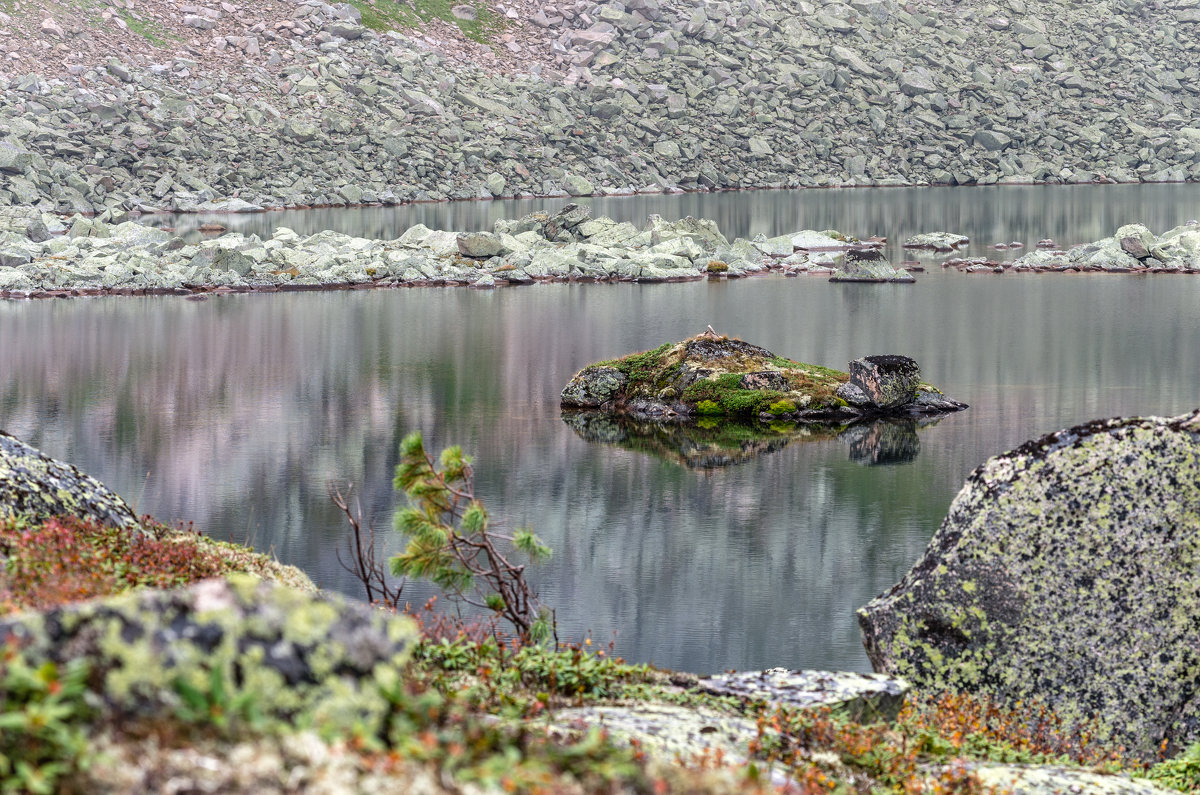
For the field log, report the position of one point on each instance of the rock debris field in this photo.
(229, 107)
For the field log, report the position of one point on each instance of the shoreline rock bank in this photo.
(99, 256)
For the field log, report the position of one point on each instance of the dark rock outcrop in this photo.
(35, 485)
(881, 382)
(1065, 573)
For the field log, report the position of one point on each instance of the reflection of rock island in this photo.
(709, 444)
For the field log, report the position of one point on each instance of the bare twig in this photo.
(361, 544)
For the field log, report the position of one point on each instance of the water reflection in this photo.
(1068, 214)
(708, 444)
(892, 441)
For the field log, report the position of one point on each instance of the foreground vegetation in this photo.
(477, 704)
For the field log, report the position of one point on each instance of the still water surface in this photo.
(237, 411)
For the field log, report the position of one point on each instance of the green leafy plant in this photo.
(42, 719)
(451, 542)
(217, 703)
(1181, 773)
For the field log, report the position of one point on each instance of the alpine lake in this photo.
(238, 412)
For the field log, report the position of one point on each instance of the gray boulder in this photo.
(869, 265)
(479, 245)
(592, 387)
(1065, 573)
(1135, 240)
(39, 487)
(937, 241)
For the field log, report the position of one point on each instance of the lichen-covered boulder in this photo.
(37, 486)
(881, 382)
(869, 265)
(1066, 573)
(308, 659)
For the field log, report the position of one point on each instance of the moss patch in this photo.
(384, 15)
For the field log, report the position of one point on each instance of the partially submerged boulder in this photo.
(869, 265)
(316, 660)
(39, 487)
(881, 382)
(1065, 573)
(937, 241)
(715, 376)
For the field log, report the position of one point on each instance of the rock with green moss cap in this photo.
(720, 377)
(36, 486)
(1065, 573)
(306, 659)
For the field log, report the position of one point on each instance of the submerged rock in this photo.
(39, 487)
(1065, 573)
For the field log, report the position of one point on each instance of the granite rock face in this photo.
(35, 485)
(1065, 572)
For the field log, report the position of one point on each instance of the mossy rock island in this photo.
(713, 376)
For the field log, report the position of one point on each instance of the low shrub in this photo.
(69, 559)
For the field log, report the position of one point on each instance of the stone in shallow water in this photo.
(1065, 572)
(881, 382)
(869, 265)
(938, 241)
(592, 387)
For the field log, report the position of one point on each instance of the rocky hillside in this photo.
(172, 106)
